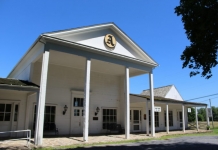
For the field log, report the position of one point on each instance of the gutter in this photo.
(31, 88)
(164, 100)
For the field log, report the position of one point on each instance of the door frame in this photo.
(179, 122)
(132, 119)
(77, 94)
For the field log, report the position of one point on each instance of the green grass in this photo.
(166, 137)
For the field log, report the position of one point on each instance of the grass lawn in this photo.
(214, 132)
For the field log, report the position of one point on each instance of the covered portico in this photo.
(176, 107)
(63, 49)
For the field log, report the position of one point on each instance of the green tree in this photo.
(200, 117)
(203, 113)
(215, 113)
(191, 115)
(200, 22)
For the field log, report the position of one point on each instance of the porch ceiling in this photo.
(78, 62)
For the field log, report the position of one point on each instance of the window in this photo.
(15, 112)
(156, 118)
(5, 112)
(49, 115)
(78, 102)
(170, 118)
(109, 116)
(76, 112)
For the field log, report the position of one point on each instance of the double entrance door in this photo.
(135, 120)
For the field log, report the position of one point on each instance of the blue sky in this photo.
(151, 24)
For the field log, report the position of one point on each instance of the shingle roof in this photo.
(159, 92)
(7, 81)
(168, 100)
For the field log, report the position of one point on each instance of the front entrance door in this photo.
(77, 115)
(136, 120)
(77, 125)
(179, 119)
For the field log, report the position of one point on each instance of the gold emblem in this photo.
(110, 40)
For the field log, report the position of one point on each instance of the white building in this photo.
(87, 70)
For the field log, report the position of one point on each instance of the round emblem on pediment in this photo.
(110, 40)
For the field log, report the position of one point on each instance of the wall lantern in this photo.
(65, 109)
(97, 111)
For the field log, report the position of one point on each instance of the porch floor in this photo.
(71, 140)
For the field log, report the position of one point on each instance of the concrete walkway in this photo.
(71, 140)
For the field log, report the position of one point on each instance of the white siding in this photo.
(14, 97)
(105, 93)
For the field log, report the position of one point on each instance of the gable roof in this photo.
(53, 37)
(158, 92)
(61, 35)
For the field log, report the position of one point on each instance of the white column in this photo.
(152, 103)
(183, 118)
(167, 119)
(208, 121)
(127, 121)
(196, 117)
(86, 100)
(147, 118)
(41, 100)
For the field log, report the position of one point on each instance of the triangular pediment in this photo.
(94, 36)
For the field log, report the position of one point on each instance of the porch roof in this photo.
(168, 100)
(16, 84)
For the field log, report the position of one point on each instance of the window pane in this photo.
(53, 109)
(76, 102)
(1, 116)
(111, 111)
(52, 118)
(82, 102)
(104, 118)
(8, 108)
(2, 107)
(47, 109)
(111, 118)
(7, 116)
(16, 108)
(76, 112)
(15, 116)
(47, 118)
(115, 119)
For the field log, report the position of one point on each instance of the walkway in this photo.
(61, 141)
